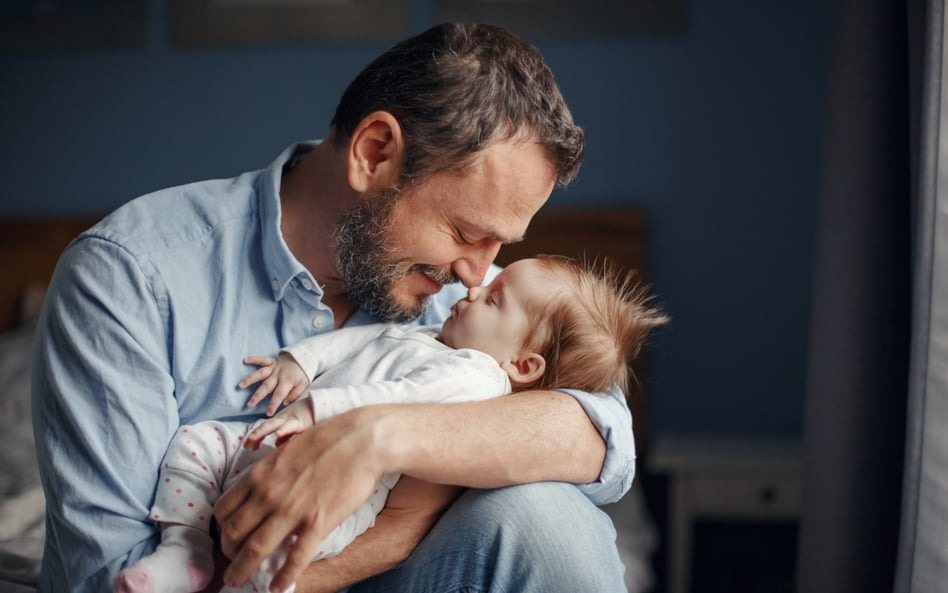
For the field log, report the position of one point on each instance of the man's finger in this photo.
(230, 501)
(299, 557)
(263, 542)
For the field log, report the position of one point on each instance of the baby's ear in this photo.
(524, 370)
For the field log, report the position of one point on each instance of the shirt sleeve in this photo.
(609, 412)
(318, 353)
(103, 414)
(450, 376)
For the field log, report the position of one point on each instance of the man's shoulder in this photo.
(173, 218)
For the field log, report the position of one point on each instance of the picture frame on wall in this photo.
(570, 19)
(250, 22)
(72, 24)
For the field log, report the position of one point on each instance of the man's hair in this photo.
(590, 332)
(455, 89)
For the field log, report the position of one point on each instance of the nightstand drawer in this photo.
(777, 496)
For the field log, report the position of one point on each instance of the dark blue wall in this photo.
(717, 133)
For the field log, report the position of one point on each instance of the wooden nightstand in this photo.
(749, 480)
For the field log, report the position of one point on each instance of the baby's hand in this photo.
(291, 420)
(282, 377)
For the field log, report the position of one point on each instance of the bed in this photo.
(29, 249)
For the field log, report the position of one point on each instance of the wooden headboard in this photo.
(29, 248)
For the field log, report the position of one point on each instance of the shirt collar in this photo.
(279, 262)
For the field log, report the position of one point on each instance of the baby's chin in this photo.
(447, 336)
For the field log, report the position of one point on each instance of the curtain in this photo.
(923, 544)
(855, 411)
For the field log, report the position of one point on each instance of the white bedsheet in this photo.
(22, 505)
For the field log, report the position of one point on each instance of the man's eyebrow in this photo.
(496, 235)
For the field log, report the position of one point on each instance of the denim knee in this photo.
(541, 537)
(534, 538)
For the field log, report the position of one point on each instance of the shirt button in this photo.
(319, 322)
(307, 284)
(275, 284)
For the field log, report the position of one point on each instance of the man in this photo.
(440, 151)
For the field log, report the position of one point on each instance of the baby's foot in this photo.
(182, 563)
(136, 579)
(140, 579)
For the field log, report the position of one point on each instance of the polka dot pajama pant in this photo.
(207, 458)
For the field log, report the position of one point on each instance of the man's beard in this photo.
(366, 256)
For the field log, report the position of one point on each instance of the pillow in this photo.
(22, 506)
(17, 458)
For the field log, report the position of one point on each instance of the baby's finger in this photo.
(255, 377)
(279, 394)
(262, 392)
(259, 433)
(260, 361)
(289, 428)
(295, 393)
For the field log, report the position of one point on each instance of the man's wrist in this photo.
(389, 440)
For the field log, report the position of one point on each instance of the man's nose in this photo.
(471, 269)
(474, 292)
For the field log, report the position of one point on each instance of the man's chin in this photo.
(411, 308)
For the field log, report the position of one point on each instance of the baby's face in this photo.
(493, 318)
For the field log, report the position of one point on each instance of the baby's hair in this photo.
(591, 331)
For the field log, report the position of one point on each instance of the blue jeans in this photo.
(535, 538)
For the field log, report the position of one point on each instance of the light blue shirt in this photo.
(146, 322)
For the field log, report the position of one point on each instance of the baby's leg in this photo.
(195, 466)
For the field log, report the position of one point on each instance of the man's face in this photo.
(396, 250)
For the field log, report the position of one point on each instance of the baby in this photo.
(542, 323)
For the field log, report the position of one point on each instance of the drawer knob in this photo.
(767, 494)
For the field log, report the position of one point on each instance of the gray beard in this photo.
(366, 259)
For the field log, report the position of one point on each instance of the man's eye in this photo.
(462, 238)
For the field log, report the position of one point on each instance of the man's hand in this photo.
(305, 489)
(321, 476)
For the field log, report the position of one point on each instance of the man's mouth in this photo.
(440, 276)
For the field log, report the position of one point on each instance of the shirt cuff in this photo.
(610, 414)
(307, 361)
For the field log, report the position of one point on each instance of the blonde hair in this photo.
(592, 330)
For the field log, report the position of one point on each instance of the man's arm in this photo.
(103, 413)
(528, 437)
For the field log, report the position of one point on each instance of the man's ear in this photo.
(376, 148)
(525, 369)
